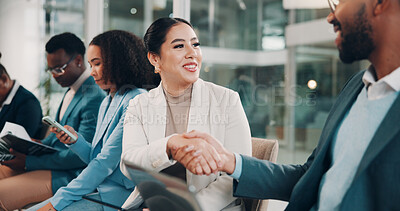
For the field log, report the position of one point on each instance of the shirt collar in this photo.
(12, 94)
(82, 78)
(392, 79)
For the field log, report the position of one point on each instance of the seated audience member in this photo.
(155, 121)
(18, 105)
(28, 179)
(120, 67)
(356, 163)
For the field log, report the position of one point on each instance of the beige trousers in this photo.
(18, 189)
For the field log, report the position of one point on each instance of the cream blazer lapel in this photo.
(155, 114)
(199, 108)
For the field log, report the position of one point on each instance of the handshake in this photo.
(200, 153)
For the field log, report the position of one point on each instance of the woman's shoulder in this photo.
(214, 89)
(145, 97)
(130, 94)
(135, 92)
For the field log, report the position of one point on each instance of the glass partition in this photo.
(320, 77)
(134, 16)
(304, 15)
(249, 25)
(261, 93)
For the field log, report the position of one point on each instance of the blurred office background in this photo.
(278, 54)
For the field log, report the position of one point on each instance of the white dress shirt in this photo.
(71, 92)
(11, 95)
(383, 87)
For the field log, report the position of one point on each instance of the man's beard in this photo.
(357, 44)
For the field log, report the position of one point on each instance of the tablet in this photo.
(172, 184)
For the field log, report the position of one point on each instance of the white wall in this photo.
(308, 33)
(21, 29)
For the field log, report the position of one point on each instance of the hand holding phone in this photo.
(52, 123)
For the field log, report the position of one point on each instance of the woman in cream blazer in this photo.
(213, 109)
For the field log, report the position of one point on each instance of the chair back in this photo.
(263, 149)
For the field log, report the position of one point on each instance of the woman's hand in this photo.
(47, 207)
(195, 154)
(62, 136)
(18, 163)
(228, 160)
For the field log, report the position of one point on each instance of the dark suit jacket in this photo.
(81, 114)
(376, 185)
(24, 110)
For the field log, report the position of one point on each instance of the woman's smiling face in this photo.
(180, 58)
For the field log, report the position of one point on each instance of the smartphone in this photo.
(53, 123)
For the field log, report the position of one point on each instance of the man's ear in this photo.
(154, 59)
(79, 60)
(3, 79)
(380, 6)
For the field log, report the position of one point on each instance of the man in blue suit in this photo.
(356, 165)
(28, 179)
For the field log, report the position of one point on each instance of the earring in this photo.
(156, 70)
(6, 84)
(79, 65)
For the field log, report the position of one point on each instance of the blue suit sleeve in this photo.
(262, 179)
(95, 173)
(82, 148)
(66, 159)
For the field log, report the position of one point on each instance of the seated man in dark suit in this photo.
(356, 163)
(28, 179)
(18, 105)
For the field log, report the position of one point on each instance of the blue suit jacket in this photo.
(81, 114)
(102, 156)
(24, 110)
(376, 185)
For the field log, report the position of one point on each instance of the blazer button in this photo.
(156, 163)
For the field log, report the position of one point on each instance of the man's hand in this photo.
(62, 136)
(18, 163)
(206, 159)
(228, 158)
(47, 207)
(36, 140)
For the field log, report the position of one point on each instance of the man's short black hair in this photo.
(67, 41)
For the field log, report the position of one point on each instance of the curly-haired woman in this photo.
(119, 66)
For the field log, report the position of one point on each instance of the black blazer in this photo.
(24, 110)
(376, 185)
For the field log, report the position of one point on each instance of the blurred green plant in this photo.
(45, 85)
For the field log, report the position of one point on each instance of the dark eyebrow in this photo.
(94, 59)
(182, 40)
